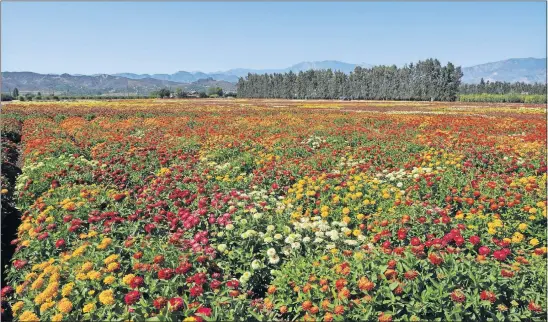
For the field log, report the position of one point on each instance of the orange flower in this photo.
(325, 304)
(364, 284)
(343, 294)
(271, 289)
(340, 283)
(339, 309)
(306, 305)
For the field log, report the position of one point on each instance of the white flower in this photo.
(399, 185)
(243, 221)
(330, 246)
(274, 259)
(221, 247)
(270, 228)
(271, 252)
(306, 239)
(229, 227)
(278, 236)
(318, 240)
(220, 234)
(296, 245)
(268, 239)
(350, 242)
(256, 264)
(257, 215)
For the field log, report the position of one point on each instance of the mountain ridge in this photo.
(528, 70)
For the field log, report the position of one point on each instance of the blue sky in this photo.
(164, 37)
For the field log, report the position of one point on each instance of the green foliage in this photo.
(214, 91)
(503, 98)
(426, 80)
(6, 97)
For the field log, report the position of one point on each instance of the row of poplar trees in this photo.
(503, 88)
(425, 80)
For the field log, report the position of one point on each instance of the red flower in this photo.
(215, 284)
(488, 296)
(60, 243)
(484, 250)
(415, 241)
(458, 296)
(534, 307)
(500, 255)
(204, 311)
(132, 297)
(176, 304)
(411, 275)
(138, 255)
(506, 273)
(119, 196)
(160, 302)
(6, 290)
(165, 274)
(435, 259)
(18, 264)
(233, 284)
(474, 240)
(136, 282)
(158, 259)
(196, 291)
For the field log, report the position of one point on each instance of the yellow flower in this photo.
(79, 251)
(67, 289)
(517, 237)
(30, 276)
(107, 297)
(57, 317)
(112, 267)
(94, 275)
(346, 211)
(37, 284)
(65, 305)
(190, 319)
(19, 289)
(110, 259)
(109, 280)
(522, 227)
(44, 307)
(17, 306)
(86, 267)
(533, 242)
(533, 210)
(90, 307)
(28, 316)
(127, 279)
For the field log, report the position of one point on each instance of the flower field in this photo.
(203, 210)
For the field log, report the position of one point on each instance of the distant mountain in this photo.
(97, 84)
(232, 75)
(527, 70)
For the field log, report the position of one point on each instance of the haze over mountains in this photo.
(528, 70)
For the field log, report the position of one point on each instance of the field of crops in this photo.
(199, 210)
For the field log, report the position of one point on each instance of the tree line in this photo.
(503, 88)
(425, 80)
